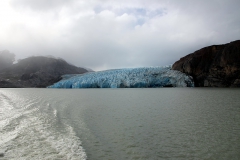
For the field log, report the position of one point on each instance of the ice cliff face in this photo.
(147, 77)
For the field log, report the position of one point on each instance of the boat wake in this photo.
(30, 129)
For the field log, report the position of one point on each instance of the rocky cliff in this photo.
(213, 66)
(36, 71)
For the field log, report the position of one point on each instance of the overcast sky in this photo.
(107, 34)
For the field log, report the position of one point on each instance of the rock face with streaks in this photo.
(213, 66)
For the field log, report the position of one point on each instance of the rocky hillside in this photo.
(36, 71)
(213, 66)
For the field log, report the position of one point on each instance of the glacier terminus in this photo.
(145, 77)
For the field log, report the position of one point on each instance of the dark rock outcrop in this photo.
(213, 66)
(36, 71)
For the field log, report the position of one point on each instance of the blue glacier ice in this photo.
(145, 77)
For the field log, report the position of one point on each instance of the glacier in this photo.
(145, 77)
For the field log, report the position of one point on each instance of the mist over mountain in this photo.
(6, 59)
(36, 71)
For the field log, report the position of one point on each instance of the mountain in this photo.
(88, 69)
(213, 66)
(37, 71)
(146, 77)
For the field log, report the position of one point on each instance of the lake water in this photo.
(120, 124)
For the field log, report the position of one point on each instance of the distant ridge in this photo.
(88, 69)
(37, 71)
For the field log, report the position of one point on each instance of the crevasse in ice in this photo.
(146, 77)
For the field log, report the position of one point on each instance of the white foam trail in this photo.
(28, 130)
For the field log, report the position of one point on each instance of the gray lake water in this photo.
(120, 124)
